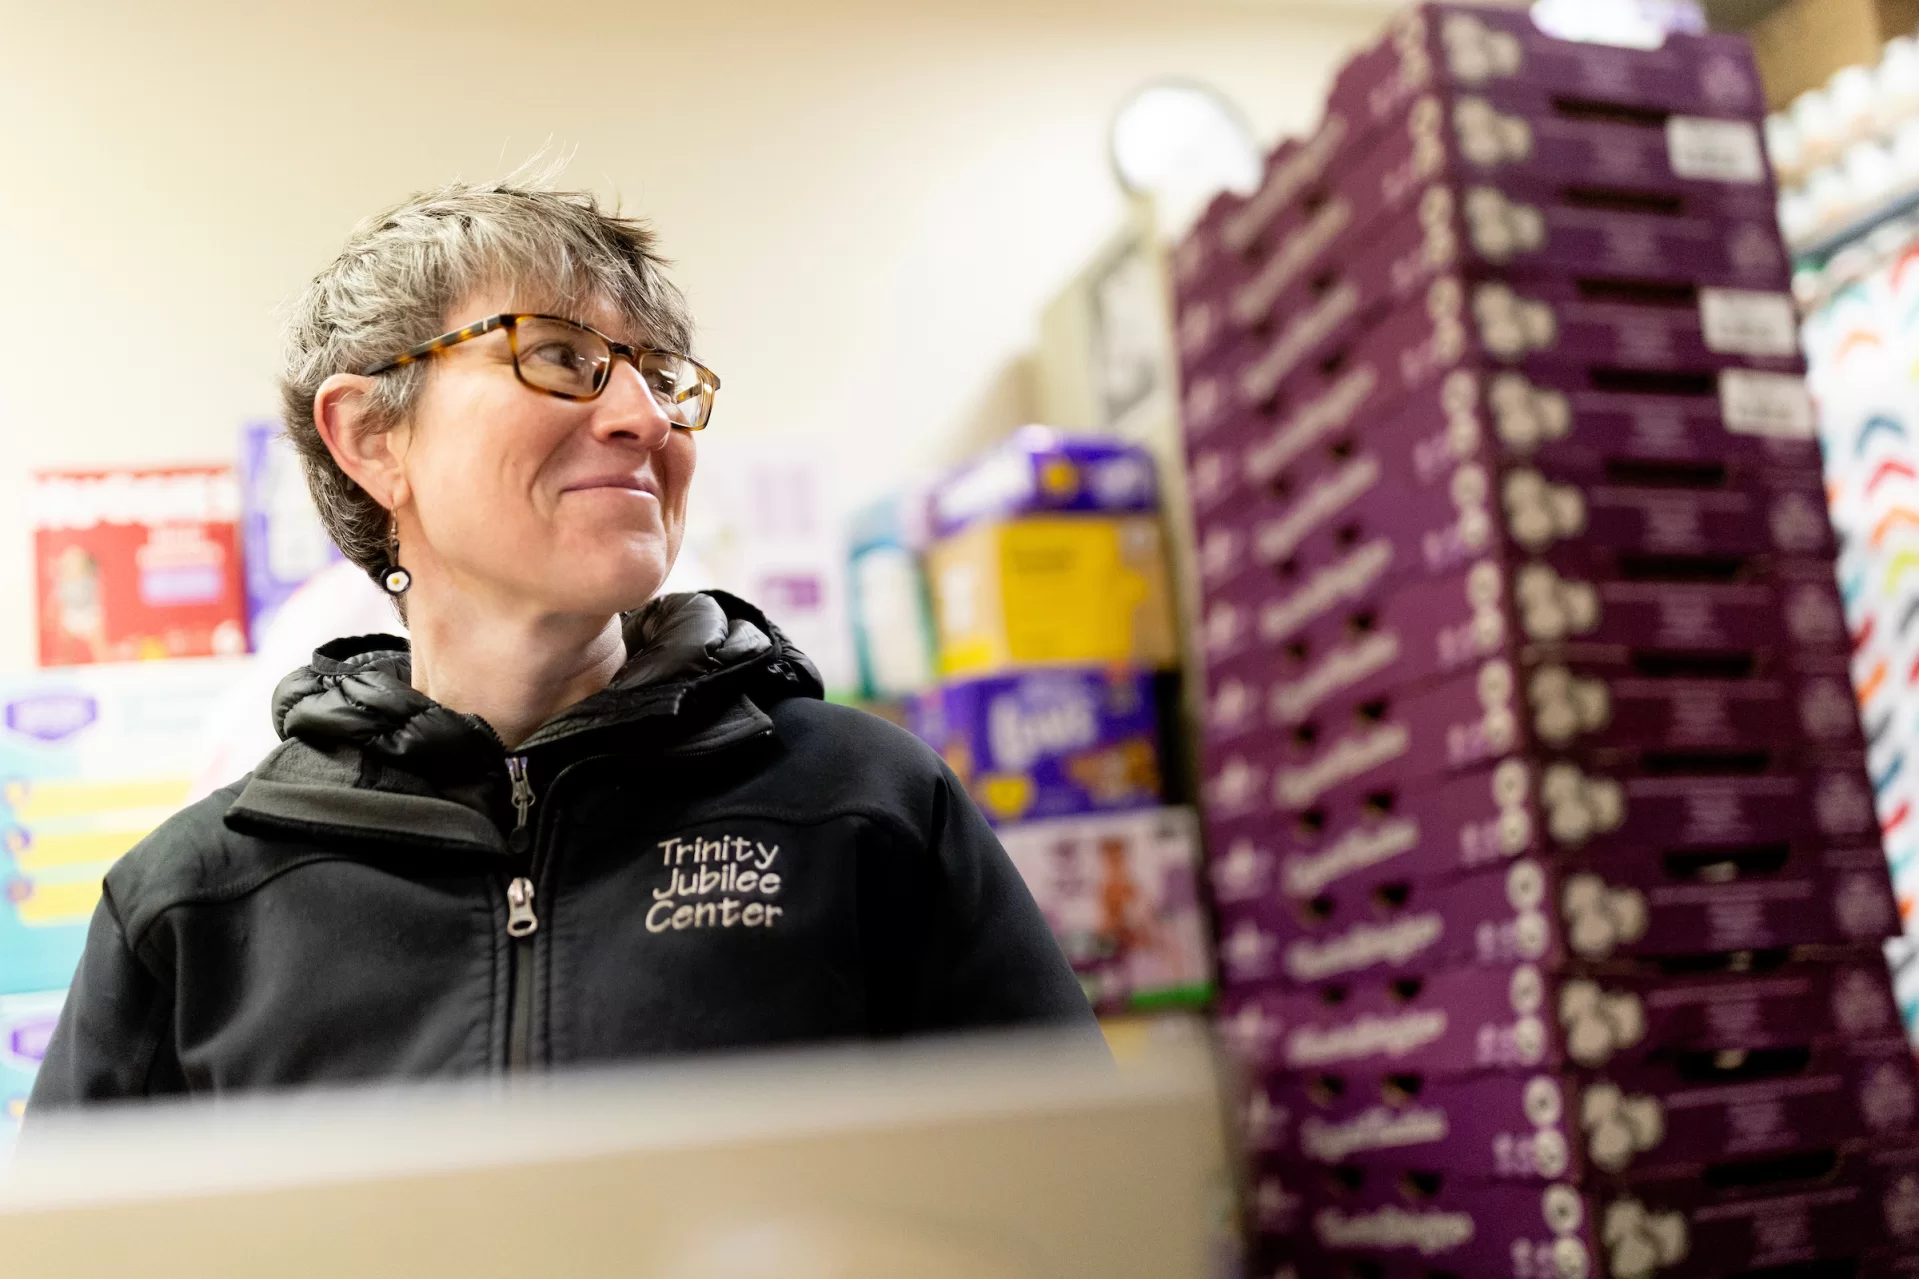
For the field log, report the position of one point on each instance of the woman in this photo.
(568, 824)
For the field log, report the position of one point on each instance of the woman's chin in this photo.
(614, 588)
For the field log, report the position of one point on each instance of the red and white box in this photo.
(134, 564)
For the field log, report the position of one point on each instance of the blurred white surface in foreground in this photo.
(996, 1157)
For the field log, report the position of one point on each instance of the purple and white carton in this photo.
(1595, 705)
(1736, 429)
(1564, 417)
(1475, 511)
(1632, 1121)
(1682, 1226)
(1464, 1020)
(1579, 593)
(1431, 628)
(1574, 909)
(1485, 818)
(1474, 48)
(1494, 919)
(1483, 229)
(1531, 323)
(1485, 1228)
(1236, 231)
(1523, 133)
(1544, 321)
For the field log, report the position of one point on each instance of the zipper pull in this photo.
(522, 789)
(520, 919)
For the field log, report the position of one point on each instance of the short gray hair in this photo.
(403, 269)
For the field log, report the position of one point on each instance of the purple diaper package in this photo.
(1532, 324)
(1498, 918)
(1521, 132)
(1430, 628)
(1040, 470)
(1048, 743)
(1738, 429)
(1635, 1120)
(1261, 631)
(1484, 230)
(1557, 417)
(1572, 909)
(1470, 822)
(1597, 704)
(1523, 1017)
(1745, 1217)
(1478, 47)
(1584, 526)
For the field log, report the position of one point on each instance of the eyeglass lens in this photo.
(558, 357)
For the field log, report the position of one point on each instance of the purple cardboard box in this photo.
(1320, 605)
(1474, 512)
(1483, 230)
(1433, 627)
(1237, 235)
(1048, 743)
(1595, 704)
(1464, 1020)
(1498, 918)
(1540, 323)
(1576, 908)
(1532, 324)
(1039, 469)
(1738, 429)
(1543, 322)
(1484, 818)
(1520, 131)
(1560, 418)
(1635, 1120)
(1475, 48)
(1727, 1217)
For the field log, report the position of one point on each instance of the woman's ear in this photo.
(342, 413)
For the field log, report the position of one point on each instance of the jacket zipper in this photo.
(521, 922)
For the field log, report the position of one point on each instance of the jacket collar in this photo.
(364, 754)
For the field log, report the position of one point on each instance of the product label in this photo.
(1770, 404)
(1714, 150)
(1748, 322)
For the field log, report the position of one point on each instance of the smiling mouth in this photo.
(622, 484)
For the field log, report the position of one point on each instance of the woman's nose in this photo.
(628, 409)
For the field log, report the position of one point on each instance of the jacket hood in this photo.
(358, 737)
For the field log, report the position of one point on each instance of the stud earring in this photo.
(394, 579)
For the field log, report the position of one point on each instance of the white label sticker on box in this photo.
(1748, 322)
(1714, 150)
(1771, 404)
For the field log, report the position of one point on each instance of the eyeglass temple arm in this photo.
(440, 343)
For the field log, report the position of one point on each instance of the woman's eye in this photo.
(557, 354)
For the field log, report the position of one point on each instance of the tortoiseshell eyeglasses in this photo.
(567, 359)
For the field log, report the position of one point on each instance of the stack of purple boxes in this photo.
(1548, 878)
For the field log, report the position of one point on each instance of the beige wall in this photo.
(868, 203)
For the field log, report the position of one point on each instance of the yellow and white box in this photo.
(1041, 590)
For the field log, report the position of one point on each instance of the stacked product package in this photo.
(1549, 887)
(1055, 644)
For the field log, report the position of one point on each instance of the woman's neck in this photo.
(515, 672)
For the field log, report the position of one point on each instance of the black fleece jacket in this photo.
(704, 856)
